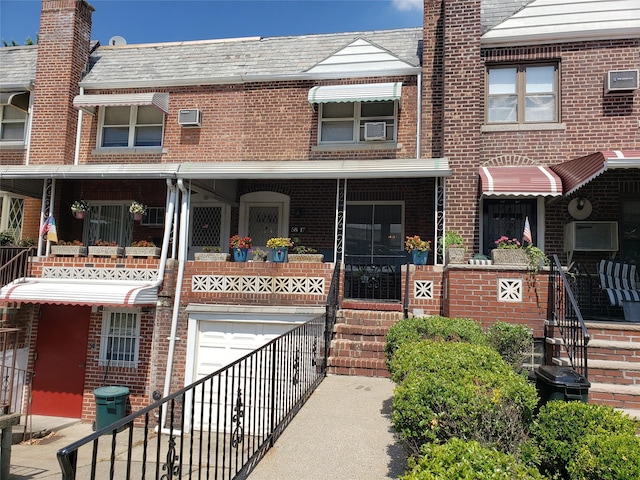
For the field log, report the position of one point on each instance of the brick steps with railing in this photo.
(614, 364)
(359, 338)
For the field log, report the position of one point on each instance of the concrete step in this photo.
(625, 397)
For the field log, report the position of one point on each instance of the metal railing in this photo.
(218, 427)
(15, 262)
(564, 314)
(369, 277)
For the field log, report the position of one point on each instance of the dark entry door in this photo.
(61, 353)
(506, 217)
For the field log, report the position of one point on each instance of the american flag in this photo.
(526, 235)
(49, 227)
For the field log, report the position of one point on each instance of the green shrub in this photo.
(562, 431)
(433, 328)
(460, 390)
(513, 342)
(606, 457)
(458, 459)
(6, 239)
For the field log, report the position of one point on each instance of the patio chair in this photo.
(618, 280)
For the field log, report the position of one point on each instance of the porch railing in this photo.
(15, 262)
(565, 315)
(218, 427)
(369, 277)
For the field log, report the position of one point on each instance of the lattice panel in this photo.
(423, 289)
(206, 227)
(257, 284)
(75, 273)
(509, 290)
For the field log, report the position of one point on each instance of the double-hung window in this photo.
(131, 126)
(525, 93)
(357, 122)
(120, 338)
(12, 124)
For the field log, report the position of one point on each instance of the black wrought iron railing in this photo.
(15, 262)
(565, 315)
(218, 427)
(368, 277)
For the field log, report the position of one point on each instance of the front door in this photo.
(61, 354)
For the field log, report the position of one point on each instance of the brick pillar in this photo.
(63, 52)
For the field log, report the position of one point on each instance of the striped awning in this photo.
(580, 171)
(88, 103)
(370, 92)
(520, 181)
(17, 99)
(85, 292)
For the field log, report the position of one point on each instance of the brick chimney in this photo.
(63, 52)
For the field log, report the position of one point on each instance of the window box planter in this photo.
(212, 257)
(455, 255)
(142, 251)
(509, 256)
(102, 251)
(69, 250)
(306, 258)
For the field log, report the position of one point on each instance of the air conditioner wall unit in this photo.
(375, 131)
(189, 118)
(621, 80)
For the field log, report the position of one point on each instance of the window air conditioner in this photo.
(618, 80)
(189, 118)
(375, 131)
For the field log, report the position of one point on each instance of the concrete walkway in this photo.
(342, 432)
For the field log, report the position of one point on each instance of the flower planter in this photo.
(78, 214)
(509, 256)
(279, 255)
(142, 251)
(69, 250)
(455, 255)
(212, 257)
(102, 251)
(305, 258)
(240, 254)
(420, 257)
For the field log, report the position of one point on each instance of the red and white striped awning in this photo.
(520, 181)
(79, 292)
(580, 171)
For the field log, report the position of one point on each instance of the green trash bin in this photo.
(111, 405)
(561, 383)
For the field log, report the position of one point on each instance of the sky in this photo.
(154, 21)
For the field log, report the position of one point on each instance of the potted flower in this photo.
(142, 248)
(74, 248)
(212, 254)
(418, 248)
(138, 210)
(279, 247)
(258, 255)
(104, 248)
(79, 207)
(454, 247)
(240, 247)
(509, 251)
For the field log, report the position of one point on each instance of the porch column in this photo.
(341, 213)
(440, 223)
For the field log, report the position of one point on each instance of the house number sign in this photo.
(297, 229)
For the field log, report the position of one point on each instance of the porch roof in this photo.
(520, 181)
(580, 171)
(79, 292)
(27, 179)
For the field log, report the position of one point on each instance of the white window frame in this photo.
(133, 114)
(24, 121)
(521, 93)
(358, 121)
(107, 317)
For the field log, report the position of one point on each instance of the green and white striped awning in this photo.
(371, 92)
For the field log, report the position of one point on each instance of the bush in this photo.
(513, 342)
(6, 239)
(563, 432)
(606, 457)
(459, 459)
(433, 328)
(459, 390)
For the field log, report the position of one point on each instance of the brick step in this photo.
(614, 350)
(369, 318)
(626, 397)
(607, 371)
(614, 331)
(357, 349)
(363, 367)
(360, 333)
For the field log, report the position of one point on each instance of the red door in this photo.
(61, 349)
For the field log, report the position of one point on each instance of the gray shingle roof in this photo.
(17, 66)
(493, 12)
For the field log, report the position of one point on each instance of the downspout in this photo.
(76, 155)
(419, 119)
(184, 222)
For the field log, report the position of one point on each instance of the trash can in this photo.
(111, 405)
(561, 383)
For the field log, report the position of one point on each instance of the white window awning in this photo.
(88, 103)
(16, 99)
(85, 292)
(372, 92)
